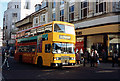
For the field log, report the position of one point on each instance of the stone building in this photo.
(16, 11)
(1, 36)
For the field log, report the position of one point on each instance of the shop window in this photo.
(47, 48)
(114, 44)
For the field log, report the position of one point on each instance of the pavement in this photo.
(101, 65)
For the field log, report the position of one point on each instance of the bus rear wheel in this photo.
(39, 62)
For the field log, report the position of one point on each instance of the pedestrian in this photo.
(86, 54)
(77, 57)
(96, 58)
(92, 58)
(114, 58)
(3, 55)
(6, 56)
(104, 56)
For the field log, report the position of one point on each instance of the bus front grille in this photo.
(65, 59)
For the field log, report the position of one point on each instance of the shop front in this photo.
(100, 37)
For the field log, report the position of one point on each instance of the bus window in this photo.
(59, 28)
(63, 48)
(33, 31)
(47, 48)
(32, 48)
(27, 33)
(39, 48)
(69, 29)
(48, 28)
(40, 30)
(64, 29)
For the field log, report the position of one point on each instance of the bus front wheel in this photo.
(39, 62)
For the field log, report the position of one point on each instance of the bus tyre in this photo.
(39, 62)
(20, 59)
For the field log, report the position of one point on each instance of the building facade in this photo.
(1, 36)
(16, 10)
(96, 23)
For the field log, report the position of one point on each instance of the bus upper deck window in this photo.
(59, 28)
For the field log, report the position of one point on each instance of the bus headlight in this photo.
(56, 58)
(72, 58)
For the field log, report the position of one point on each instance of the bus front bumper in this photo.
(62, 64)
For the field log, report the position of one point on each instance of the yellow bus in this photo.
(50, 44)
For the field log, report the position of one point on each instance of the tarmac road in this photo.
(32, 72)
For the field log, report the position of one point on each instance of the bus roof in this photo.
(59, 22)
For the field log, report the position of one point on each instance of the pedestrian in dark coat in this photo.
(104, 56)
(6, 56)
(86, 57)
(78, 57)
(114, 58)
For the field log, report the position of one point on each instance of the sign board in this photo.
(64, 37)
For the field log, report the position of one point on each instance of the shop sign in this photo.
(64, 37)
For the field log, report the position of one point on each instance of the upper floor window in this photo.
(53, 16)
(84, 9)
(71, 13)
(35, 21)
(14, 14)
(44, 4)
(62, 2)
(100, 6)
(17, 6)
(62, 15)
(27, 5)
(53, 4)
(43, 18)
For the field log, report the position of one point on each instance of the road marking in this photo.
(105, 71)
(47, 70)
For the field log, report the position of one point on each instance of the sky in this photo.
(3, 7)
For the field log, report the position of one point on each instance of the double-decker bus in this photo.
(50, 44)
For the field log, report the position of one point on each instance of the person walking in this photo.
(92, 58)
(6, 56)
(77, 57)
(86, 57)
(96, 58)
(104, 56)
(114, 58)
